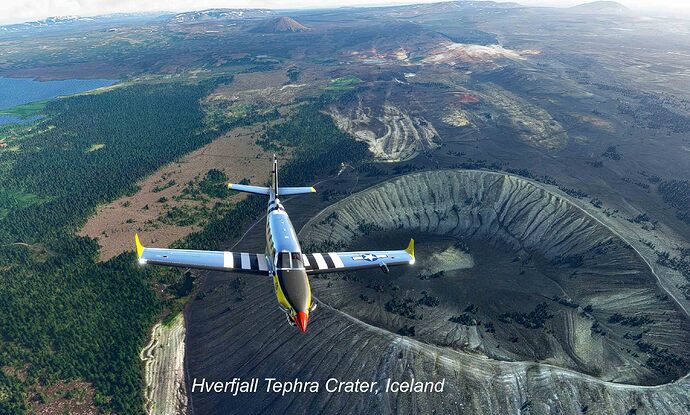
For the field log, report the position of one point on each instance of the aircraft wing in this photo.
(349, 261)
(209, 260)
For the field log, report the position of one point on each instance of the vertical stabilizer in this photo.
(275, 175)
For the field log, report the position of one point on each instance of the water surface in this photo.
(17, 91)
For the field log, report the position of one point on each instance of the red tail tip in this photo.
(301, 320)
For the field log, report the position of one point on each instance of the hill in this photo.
(279, 25)
(600, 7)
(219, 14)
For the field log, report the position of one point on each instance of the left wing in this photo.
(349, 261)
(209, 260)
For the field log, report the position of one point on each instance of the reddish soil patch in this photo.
(467, 98)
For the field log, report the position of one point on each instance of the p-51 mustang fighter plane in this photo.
(283, 259)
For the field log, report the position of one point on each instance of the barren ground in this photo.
(74, 398)
(114, 224)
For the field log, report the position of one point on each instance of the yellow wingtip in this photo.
(313, 190)
(230, 185)
(410, 248)
(140, 247)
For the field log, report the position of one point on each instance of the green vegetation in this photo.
(405, 307)
(465, 319)
(164, 186)
(344, 83)
(214, 184)
(632, 321)
(663, 360)
(611, 153)
(12, 199)
(26, 110)
(680, 263)
(435, 275)
(312, 136)
(533, 320)
(223, 112)
(66, 316)
(428, 300)
(142, 126)
(293, 74)
(184, 215)
(407, 331)
(677, 194)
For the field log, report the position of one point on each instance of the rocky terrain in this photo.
(534, 125)
(391, 133)
(163, 361)
(549, 283)
(570, 357)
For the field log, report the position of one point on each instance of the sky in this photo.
(15, 11)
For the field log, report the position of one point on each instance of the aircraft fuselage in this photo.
(287, 267)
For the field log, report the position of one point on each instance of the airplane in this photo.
(283, 259)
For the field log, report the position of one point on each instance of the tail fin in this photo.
(275, 175)
(283, 191)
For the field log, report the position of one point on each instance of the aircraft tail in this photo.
(274, 175)
(282, 191)
(288, 191)
(257, 190)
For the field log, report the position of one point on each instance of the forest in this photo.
(65, 315)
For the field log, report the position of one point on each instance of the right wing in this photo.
(350, 261)
(208, 260)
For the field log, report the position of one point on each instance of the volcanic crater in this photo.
(506, 269)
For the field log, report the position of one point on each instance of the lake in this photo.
(17, 91)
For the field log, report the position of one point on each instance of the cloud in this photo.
(13, 11)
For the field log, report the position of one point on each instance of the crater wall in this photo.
(350, 339)
(550, 283)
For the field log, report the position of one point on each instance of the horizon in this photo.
(25, 11)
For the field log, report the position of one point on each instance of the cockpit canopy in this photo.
(289, 260)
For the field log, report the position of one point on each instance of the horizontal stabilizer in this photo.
(287, 191)
(257, 190)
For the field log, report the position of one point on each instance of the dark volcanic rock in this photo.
(528, 245)
(250, 338)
